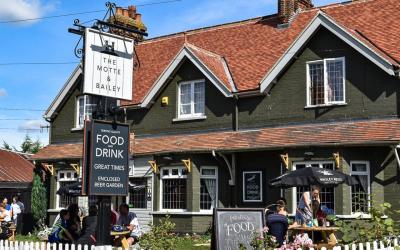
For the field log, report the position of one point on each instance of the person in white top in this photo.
(15, 210)
(130, 220)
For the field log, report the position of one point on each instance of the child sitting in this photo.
(59, 232)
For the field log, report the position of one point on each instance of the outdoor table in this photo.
(330, 231)
(122, 237)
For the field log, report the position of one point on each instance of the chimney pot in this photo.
(138, 17)
(125, 12)
(132, 11)
(118, 11)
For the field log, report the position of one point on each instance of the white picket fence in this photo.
(24, 245)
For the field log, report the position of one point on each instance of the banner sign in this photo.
(252, 186)
(234, 226)
(109, 159)
(108, 65)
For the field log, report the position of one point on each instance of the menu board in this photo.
(235, 226)
(252, 186)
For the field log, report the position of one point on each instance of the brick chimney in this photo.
(130, 19)
(287, 9)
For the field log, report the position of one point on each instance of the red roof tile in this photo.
(15, 168)
(59, 151)
(326, 134)
(252, 47)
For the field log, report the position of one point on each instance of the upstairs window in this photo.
(326, 82)
(85, 105)
(191, 99)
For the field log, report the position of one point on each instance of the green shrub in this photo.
(38, 200)
(160, 236)
(381, 226)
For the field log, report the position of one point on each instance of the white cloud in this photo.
(23, 9)
(3, 92)
(29, 125)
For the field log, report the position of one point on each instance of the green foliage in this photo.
(379, 227)
(38, 199)
(29, 146)
(160, 236)
(7, 146)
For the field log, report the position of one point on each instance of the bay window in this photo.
(173, 188)
(191, 99)
(326, 82)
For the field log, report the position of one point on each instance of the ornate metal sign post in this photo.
(107, 53)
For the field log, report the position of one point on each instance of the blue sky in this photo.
(35, 86)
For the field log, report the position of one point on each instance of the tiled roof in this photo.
(323, 134)
(368, 132)
(15, 168)
(59, 151)
(251, 48)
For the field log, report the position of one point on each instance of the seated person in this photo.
(130, 221)
(74, 221)
(59, 232)
(278, 223)
(89, 223)
(4, 213)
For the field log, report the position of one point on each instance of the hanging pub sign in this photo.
(252, 186)
(108, 165)
(108, 65)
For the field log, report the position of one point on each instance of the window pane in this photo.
(327, 195)
(208, 172)
(335, 81)
(174, 194)
(208, 189)
(359, 167)
(90, 106)
(185, 93)
(66, 200)
(199, 98)
(359, 199)
(81, 118)
(137, 193)
(316, 74)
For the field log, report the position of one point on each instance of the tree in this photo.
(38, 199)
(7, 146)
(29, 146)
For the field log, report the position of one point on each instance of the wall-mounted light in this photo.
(164, 101)
(309, 154)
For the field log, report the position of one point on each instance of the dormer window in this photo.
(326, 82)
(191, 99)
(85, 105)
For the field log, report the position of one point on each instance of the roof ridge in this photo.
(337, 5)
(208, 28)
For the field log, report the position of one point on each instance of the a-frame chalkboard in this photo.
(232, 226)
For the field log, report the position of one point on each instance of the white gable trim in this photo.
(63, 92)
(175, 63)
(324, 20)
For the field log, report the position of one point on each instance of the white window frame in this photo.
(368, 173)
(78, 98)
(308, 164)
(192, 109)
(214, 177)
(59, 179)
(326, 102)
(261, 186)
(180, 175)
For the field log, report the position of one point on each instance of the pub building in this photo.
(219, 111)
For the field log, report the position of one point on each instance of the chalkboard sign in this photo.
(234, 226)
(252, 186)
(109, 158)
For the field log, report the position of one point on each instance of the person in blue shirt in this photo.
(277, 223)
(59, 232)
(5, 202)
